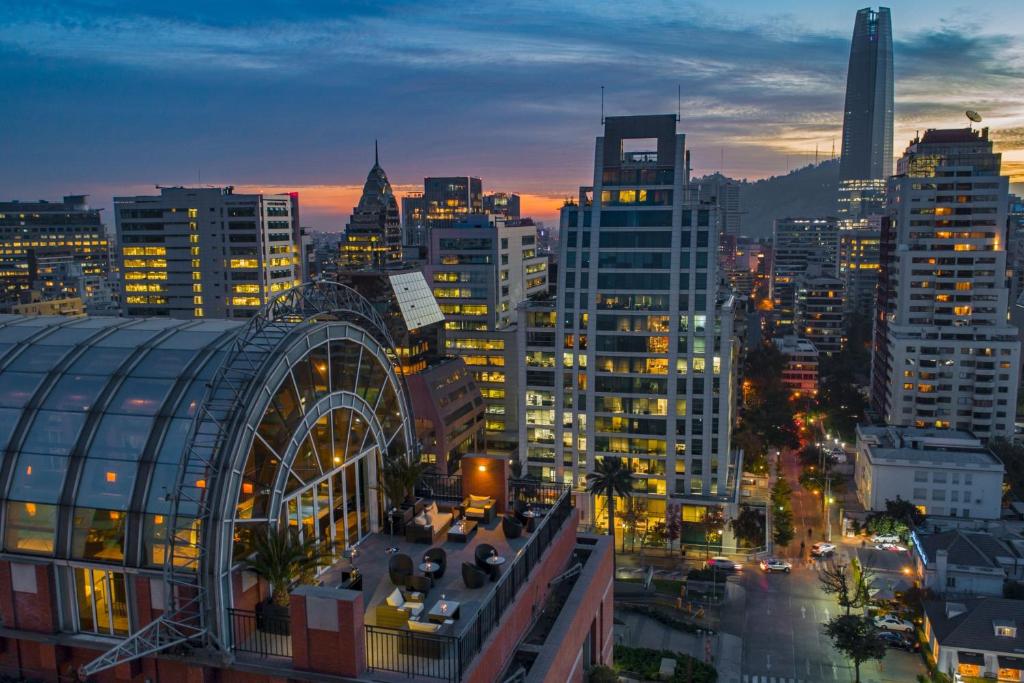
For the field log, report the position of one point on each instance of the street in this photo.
(779, 617)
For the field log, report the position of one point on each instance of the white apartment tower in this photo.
(944, 355)
(205, 252)
(643, 355)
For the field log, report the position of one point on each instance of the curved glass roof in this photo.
(94, 413)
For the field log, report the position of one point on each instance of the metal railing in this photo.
(436, 486)
(417, 655)
(536, 492)
(260, 634)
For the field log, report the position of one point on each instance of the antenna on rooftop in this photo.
(602, 105)
(679, 102)
(972, 117)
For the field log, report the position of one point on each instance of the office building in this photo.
(944, 355)
(725, 193)
(535, 336)
(505, 204)
(38, 240)
(480, 270)
(800, 375)
(867, 156)
(414, 220)
(820, 310)
(643, 354)
(145, 455)
(449, 200)
(373, 236)
(858, 265)
(943, 473)
(797, 243)
(205, 252)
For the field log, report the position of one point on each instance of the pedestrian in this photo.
(809, 532)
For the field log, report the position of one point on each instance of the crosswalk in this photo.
(747, 678)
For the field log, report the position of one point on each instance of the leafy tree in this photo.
(611, 477)
(782, 512)
(851, 588)
(398, 478)
(857, 637)
(748, 526)
(280, 557)
(1012, 455)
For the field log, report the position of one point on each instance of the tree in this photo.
(748, 526)
(857, 637)
(610, 478)
(782, 512)
(852, 589)
(280, 556)
(1012, 456)
(398, 478)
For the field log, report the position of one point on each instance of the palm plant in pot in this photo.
(280, 557)
(398, 478)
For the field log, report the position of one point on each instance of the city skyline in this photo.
(500, 95)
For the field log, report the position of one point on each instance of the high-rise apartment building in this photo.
(480, 270)
(414, 220)
(858, 265)
(718, 189)
(205, 252)
(503, 204)
(944, 355)
(40, 240)
(373, 236)
(867, 117)
(642, 361)
(796, 244)
(820, 311)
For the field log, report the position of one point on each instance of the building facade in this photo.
(796, 244)
(858, 266)
(480, 270)
(943, 353)
(373, 236)
(820, 311)
(505, 204)
(205, 252)
(801, 372)
(451, 199)
(867, 156)
(943, 473)
(643, 355)
(41, 244)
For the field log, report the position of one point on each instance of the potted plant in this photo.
(398, 477)
(281, 557)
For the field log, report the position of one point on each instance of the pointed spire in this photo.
(376, 156)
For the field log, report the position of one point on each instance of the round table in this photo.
(429, 567)
(495, 560)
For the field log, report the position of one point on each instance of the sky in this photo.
(110, 98)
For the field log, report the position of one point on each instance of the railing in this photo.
(536, 492)
(516, 576)
(417, 655)
(436, 486)
(260, 634)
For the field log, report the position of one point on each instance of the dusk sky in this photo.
(110, 98)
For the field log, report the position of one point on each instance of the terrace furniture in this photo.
(481, 555)
(420, 584)
(439, 557)
(531, 518)
(351, 580)
(442, 610)
(462, 531)
(495, 562)
(512, 527)
(422, 642)
(395, 611)
(479, 508)
(428, 525)
(473, 576)
(400, 569)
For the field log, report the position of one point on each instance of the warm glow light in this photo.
(482, 468)
(158, 519)
(201, 483)
(28, 471)
(246, 488)
(111, 477)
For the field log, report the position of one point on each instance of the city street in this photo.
(779, 617)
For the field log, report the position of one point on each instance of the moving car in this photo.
(822, 549)
(894, 547)
(774, 564)
(891, 622)
(885, 538)
(724, 564)
(898, 640)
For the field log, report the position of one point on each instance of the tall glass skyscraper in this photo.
(867, 118)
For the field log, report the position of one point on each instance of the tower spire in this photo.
(376, 156)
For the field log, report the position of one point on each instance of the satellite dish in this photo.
(973, 116)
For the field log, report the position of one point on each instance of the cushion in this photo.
(421, 519)
(395, 598)
(424, 627)
(479, 501)
(429, 519)
(432, 510)
(476, 511)
(414, 608)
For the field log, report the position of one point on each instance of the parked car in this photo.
(822, 549)
(775, 564)
(893, 547)
(898, 640)
(885, 538)
(724, 564)
(891, 622)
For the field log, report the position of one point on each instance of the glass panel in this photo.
(356, 435)
(338, 514)
(164, 363)
(211, 366)
(172, 449)
(371, 378)
(138, 396)
(66, 336)
(39, 477)
(351, 504)
(293, 514)
(341, 419)
(102, 601)
(106, 484)
(324, 448)
(83, 589)
(16, 388)
(154, 541)
(121, 437)
(287, 403)
(387, 411)
(190, 339)
(8, 421)
(38, 358)
(344, 362)
(323, 516)
(97, 361)
(53, 432)
(307, 513)
(31, 528)
(304, 381)
(306, 466)
(118, 603)
(98, 535)
(243, 540)
(75, 392)
(318, 365)
(127, 339)
(161, 484)
(364, 510)
(188, 404)
(11, 333)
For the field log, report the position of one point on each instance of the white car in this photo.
(893, 623)
(820, 549)
(775, 564)
(893, 547)
(885, 538)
